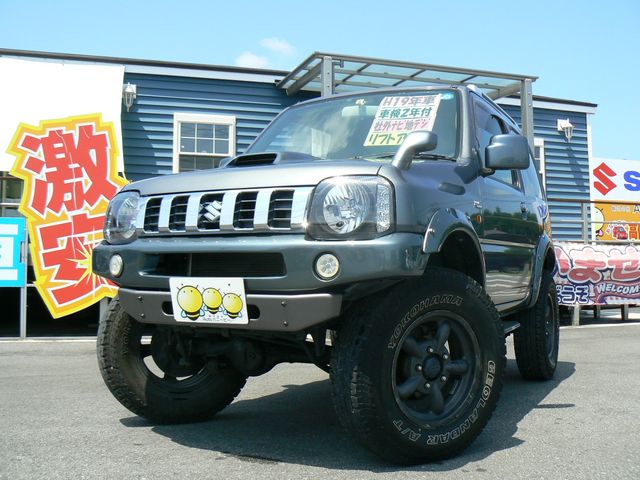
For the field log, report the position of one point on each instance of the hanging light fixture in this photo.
(129, 93)
(567, 127)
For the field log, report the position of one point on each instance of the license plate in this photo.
(209, 300)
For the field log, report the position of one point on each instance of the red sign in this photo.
(70, 173)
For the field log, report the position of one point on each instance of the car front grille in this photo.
(217, 264)
(256, 210)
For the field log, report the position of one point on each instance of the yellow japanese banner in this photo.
(616, 221)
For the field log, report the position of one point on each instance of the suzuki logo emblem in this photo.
(604, 172)
(211, 211)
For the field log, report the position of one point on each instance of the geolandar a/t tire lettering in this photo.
(417, 377)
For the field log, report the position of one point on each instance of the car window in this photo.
(489, 124)
(532, 184)
(369, 125)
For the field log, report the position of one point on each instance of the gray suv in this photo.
(393, 238)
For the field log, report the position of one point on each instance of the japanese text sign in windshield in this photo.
(396, 117)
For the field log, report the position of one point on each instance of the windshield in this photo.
(370, 125)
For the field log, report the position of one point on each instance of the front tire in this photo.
(417, 374)
(152, 379)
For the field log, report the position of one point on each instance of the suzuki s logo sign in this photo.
(616, 180)
(211, 211)
(603, 173)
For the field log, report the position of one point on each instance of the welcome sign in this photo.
(597, 274)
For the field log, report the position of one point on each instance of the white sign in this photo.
(396, 117)
(33, 91)
(614, 180)
(209, 300)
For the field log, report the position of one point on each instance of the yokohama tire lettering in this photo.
(417, 308)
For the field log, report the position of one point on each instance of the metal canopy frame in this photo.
(330, 73)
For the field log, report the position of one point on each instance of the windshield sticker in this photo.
(398, 116)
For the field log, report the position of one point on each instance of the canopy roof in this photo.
(352, 73)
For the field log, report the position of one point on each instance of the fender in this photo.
(544, 247)
(446, 222)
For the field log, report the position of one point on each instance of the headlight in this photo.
(120, 225)
(351, 208)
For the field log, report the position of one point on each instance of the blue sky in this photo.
(580, 50)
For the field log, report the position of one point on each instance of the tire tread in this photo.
(529, 339)
(113, 327)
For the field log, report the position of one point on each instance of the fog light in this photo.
(327, 266)
(115, 265)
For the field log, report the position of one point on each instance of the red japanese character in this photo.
(625, 265)
(563, 261)
(71, 171)
(67, 247)
(588, 265)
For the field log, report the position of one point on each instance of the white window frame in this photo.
(180, 117)
(539, 142)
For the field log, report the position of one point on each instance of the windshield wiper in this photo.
(421, 156)
(377, 155)
(433, 156)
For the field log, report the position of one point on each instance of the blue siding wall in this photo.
(147, 129)
(566, 167)
(148, 132)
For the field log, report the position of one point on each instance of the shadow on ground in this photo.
(298, 426)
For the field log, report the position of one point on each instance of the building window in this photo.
(202, 141)
(10, 194)
(538, 154)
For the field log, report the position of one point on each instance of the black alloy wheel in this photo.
(434, 368)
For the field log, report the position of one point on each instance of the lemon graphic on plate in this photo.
(232, 303)
(212, 299)
(190, 301)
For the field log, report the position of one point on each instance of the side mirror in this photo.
(507, 152)
(416, 142)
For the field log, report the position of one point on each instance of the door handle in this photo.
(523, 207)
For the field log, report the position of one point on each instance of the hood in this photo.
(289, 174)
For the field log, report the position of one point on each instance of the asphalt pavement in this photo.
(58, 421)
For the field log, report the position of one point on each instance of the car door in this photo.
(505, 239)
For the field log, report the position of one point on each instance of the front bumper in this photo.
(292, 300)
(285, 313)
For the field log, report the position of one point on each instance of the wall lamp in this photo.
(567, 127)
(129, 93)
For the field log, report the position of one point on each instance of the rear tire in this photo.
(536, 341)
(417, 374)
(152, 381)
